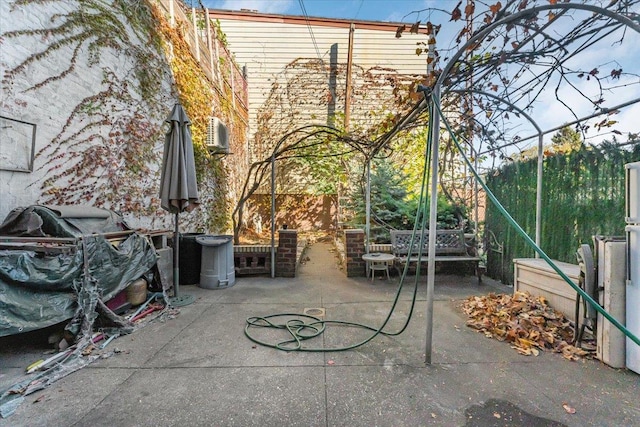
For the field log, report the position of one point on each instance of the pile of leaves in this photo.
(526, 322)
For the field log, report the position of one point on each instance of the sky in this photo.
(369, 10)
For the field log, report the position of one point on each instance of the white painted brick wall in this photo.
(50, 106)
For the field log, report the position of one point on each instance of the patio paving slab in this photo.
(199, 369)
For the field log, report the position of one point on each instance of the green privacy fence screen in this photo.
(583, 195)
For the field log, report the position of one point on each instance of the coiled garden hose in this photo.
(300, 330)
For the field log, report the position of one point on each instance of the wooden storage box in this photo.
(535, 275)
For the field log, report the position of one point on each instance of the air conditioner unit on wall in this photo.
(217, 136)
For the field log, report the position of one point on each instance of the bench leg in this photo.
(395, 266)
(479, 273)
(399, 268)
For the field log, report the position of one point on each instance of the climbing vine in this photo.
(91, 27)
(201, 100)
(108, 150)
(108, 169)
(319, 157)
(103, 153)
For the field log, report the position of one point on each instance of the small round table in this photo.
(377, 261)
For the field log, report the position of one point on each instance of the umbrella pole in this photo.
(176, 258)
(178, 300)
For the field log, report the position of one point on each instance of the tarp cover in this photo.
(60, 221)
(40, 289)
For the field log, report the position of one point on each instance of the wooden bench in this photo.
(451, 246)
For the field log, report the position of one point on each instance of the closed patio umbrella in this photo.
(178, 185)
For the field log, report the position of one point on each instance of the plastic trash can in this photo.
(217, 269)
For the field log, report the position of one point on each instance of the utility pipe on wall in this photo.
(273, 214)
(347, 96)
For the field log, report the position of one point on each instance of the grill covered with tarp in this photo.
(49, 253)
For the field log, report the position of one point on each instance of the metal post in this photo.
(178, 300)
(368, 207)
(539, 194)
(347, 95)
(232, 72)
(217, 61)
(176, 259)
(196, 37)
(210, 42)
(433, 212)
(208, 25)
(476, 216)
(273, 214)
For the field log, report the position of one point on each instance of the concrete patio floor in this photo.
(199, 369)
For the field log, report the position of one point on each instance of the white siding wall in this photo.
(266, 44)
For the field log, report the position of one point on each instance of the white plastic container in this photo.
(217, 270)
(633, 295)
(632, 187)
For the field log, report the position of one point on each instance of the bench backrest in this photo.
(447, 242)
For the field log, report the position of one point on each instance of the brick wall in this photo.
(84, 111)
(354, 247)
(302, 212)
(287, 253)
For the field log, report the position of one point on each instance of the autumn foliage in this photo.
(524, 321)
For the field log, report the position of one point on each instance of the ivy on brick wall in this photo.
(103, 154)
(107, 151)
(198, 97)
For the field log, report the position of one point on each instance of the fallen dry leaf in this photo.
(497, 415)
(568, 408)
(331, 362)
(524, 321)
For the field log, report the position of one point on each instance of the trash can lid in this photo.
(209, 240)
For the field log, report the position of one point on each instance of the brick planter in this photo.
(286, 255)
(252, 259)
(354, 248)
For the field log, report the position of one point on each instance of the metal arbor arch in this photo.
(434, 96)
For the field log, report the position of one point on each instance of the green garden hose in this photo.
(300, 330)
(528, 239)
